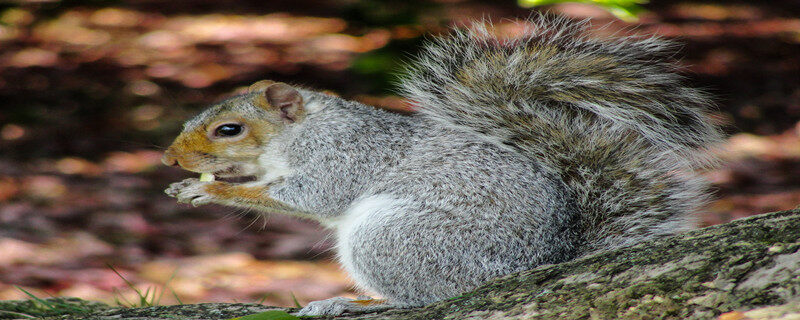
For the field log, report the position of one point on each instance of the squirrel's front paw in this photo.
(192, 191)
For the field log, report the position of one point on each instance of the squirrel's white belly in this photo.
(361, 213)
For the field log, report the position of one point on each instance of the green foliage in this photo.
(296, 303)
(269, 315)
(624, 9)
(381, 68)
(41, 307)
(149, 298)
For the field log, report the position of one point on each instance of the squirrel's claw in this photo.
(176, 188)
(200, 200)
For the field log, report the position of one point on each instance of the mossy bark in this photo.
(747, 264)
(741, 265)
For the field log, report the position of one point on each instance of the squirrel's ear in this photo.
(286, 100)
(260, 85)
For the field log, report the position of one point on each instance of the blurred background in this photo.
(92, 91)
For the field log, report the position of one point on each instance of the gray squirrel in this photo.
(522, 151)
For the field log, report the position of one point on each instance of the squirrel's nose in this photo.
(169, 160)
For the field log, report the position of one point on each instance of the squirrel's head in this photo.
(227, 139)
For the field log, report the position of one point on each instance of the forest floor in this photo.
(91, 94)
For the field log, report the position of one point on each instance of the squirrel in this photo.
(521, 151)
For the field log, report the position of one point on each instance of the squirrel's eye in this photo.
(228, 130)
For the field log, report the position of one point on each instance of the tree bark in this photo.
(746, 269)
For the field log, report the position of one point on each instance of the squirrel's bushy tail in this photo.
(608, 115)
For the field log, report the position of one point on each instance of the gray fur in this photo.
(524, 152)
(610, 117)
(463, 211)
(338, 152)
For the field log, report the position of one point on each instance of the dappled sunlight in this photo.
(170, 44)
(711, 11)
(761, 174)
(239, 277)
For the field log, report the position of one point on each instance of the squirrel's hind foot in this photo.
(340, 305)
